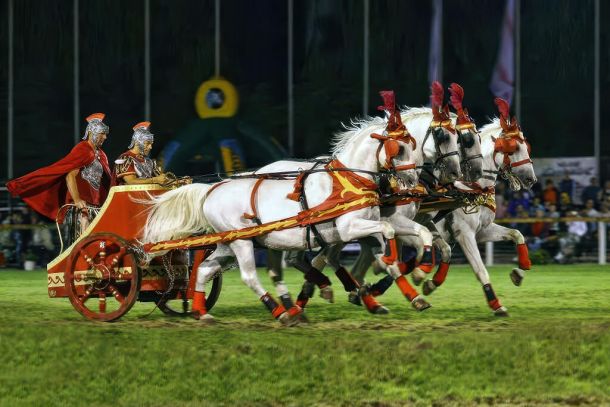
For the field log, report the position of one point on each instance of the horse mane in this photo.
(412, 113)
(490, 129)
(354, 129)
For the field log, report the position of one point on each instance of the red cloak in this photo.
(45, 190)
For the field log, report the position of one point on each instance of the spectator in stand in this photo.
(536, 206)
(518, 200)
(606, 192)
(550, 193)
(553, 213)
(568, 243)
(42, 241)
(539, 231)
(593, 192)
(567, 185)
(16, 235)
(604, 209)
(590, 212)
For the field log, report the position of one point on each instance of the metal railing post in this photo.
(601, 242)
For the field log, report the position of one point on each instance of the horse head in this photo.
(512, 151)
(396, 149)
(469, 139)
(445, 137)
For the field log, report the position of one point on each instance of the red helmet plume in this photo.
(389, 101)
(436, 96)
(456, 98)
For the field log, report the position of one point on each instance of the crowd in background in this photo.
(561, 240)
(35, 239)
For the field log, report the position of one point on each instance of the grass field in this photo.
(554, 349)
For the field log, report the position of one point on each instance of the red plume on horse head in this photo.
(456, 98)
(389, 101)
(508, 125)
(437, 95)
(457, 95)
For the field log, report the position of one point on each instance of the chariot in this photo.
(105, 270)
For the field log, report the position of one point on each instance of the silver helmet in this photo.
(96, 126)
(141, 134)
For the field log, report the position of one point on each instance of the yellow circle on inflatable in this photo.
(216, 97)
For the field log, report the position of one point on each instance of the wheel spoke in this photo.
(115, 292)
(102, 302)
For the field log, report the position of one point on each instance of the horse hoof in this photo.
(326, 293)
(417, 276)
(420, 304)
(379, 310)
(516, 276)
(207, 319)
(354, 298)
(501, 312)
(288, 320)
(429, 287)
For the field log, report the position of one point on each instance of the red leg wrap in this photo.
(406, 268)
(370, 302)
(524, 258)
(426, 268)
(405, 288)
(427, 264)
(296, 310)
(199, 303)
(494, 305)
(302, 302)
(441, 274)
(391, 252)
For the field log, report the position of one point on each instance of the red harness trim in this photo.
(253, 194)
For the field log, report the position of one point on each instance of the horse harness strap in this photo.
(350, 192)
(253, 194)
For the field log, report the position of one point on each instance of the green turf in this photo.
(554, 349)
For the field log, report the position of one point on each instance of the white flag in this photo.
(435, 57)
(503, 79)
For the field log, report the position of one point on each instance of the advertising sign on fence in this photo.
(581, 170)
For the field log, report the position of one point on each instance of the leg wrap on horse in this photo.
(305, 294)
(349, 284)
(273, 307)
(289, 305)
(315, 276)
(492, 300)
(441, 274)
(407, 267)
(524, 258)
(426, 264)
(391, 252)
(198, 306)
(381, 286)
(405, 288)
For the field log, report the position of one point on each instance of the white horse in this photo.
(505, 153)
(226, 206)
(437, 144)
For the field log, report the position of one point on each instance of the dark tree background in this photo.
(557, 67)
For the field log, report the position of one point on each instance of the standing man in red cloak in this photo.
(81, 178)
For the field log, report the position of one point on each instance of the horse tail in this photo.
(177, 214)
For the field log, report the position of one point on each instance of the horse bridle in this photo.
(467, 143)
(440, 163)
(501, 146)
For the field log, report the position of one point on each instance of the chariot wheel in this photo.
(103, 279)
(178, 305)
(178, 302)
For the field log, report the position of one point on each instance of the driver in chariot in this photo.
(134, 166)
